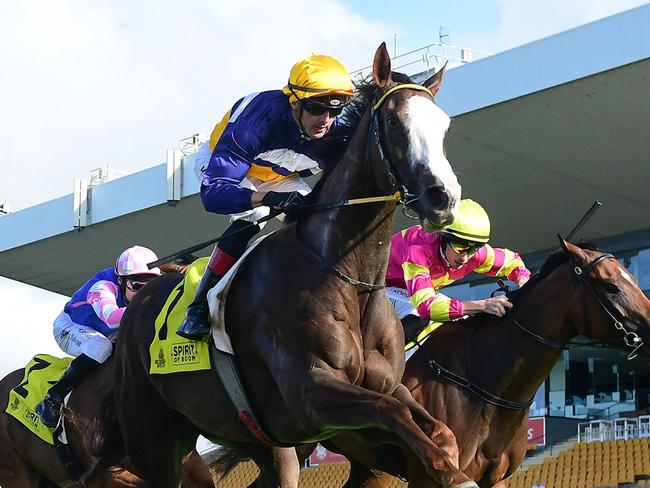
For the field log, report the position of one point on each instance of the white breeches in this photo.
(77, 339)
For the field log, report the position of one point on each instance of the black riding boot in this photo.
(413, 325)
(49, 410)
(232, 245)
(196, 325)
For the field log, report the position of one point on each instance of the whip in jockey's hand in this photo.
(287, 202)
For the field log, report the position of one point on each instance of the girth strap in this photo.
(224, 366)
(65, 454)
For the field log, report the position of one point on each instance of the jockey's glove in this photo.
(287, 202)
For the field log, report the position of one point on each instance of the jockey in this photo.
(421, 263)
(92, 314)
(257, 156)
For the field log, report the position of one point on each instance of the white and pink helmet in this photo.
(134, 260)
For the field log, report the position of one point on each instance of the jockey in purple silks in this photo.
(93, 314)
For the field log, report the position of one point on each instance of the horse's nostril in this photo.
(437, 197)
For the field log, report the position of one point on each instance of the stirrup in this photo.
(196, 325)
(49, 411)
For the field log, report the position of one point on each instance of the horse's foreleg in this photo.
(279, 467)
(334, 404)
(438, 432)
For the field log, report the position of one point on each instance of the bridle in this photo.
(374, 133)
(631, 339)
(399, 190)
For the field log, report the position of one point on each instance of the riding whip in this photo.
(313, 207)
(595, 206)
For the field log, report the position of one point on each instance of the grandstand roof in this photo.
(538, 133)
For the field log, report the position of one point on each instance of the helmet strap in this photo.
(444, 242)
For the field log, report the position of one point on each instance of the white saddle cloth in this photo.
(217, 302)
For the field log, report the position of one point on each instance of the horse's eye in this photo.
(392, 121)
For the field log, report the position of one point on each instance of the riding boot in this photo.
(232, 245)
(413, 325)
(196, 325)
(49, 410)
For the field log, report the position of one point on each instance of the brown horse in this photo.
(319, 347)
(28, 462)
(502, 362)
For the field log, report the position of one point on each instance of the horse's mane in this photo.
(554, 261)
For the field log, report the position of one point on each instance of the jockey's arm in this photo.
(102, 296)
(502, 262)
(423, 294)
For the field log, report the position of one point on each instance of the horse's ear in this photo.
(381, 66)
(572, 250)
(433, 83)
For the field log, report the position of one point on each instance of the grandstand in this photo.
(553, 124)
(606, 454)
(323, 476)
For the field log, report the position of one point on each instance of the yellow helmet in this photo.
(471, 224)
(319, 76)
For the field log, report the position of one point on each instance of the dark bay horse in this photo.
(319, 348)
(577, 291)
(26, 461)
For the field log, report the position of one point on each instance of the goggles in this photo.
(136, 283)
(460, 247)
(315, 108)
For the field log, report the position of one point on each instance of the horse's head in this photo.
(613, 307)
(411, 131)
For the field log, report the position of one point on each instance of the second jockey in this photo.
(421, 263)
(93, 314)
(257, 156)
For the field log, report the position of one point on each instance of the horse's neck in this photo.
(354, 238)
(544, 311)
(516, 366)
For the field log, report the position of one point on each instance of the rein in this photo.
(399, 195)
(631, 339)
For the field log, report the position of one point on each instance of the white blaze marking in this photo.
(626, 275)
(426, 125)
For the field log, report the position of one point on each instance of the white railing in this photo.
(617, 429)
(427, 58)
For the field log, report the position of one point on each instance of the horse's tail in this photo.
(107, 445)
(223, 460)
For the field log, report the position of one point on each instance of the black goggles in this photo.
(315, 108)
(136, 283)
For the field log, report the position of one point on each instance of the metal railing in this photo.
(617, 429)
(427, 58)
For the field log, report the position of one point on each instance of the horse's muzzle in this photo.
(436, 207)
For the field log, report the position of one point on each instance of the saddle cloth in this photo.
(171, 353)
(217, 301)
(40, 373)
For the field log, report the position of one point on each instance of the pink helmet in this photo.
(134, 260)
